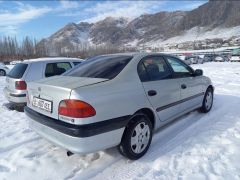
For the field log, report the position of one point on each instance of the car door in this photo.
(162, 91)
(191, 86)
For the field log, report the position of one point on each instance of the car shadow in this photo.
(12, 107)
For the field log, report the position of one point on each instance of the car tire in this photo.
(2, 72)
(207, 101)
(137, 137)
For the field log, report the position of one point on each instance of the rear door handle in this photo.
(183, 86)
(152, 93)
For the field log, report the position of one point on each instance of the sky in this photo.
(40, 19)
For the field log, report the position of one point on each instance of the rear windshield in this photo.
(106, 67)
(18, 70)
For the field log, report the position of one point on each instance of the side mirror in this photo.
(198, 72)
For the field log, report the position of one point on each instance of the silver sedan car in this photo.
(116, 100)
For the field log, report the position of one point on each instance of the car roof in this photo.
(50, 59)
(138, 54)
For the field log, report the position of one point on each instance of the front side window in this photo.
(53, 69)
(105, 67)
(153, 68)
(179, 68)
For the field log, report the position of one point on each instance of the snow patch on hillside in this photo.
(199, 33)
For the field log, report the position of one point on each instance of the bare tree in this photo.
(11, 49)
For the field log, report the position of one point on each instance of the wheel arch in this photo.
(3, 70)
(210, 87)
(148, 112)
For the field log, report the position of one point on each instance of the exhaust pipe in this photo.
(69, 153)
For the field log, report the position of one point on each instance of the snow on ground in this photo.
(197, 146)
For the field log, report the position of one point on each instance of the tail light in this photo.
(20, 85)
(76, 109)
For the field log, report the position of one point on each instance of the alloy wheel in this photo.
(140, 137)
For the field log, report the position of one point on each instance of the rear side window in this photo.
(54, 69)
(17, 71)
(153, 69)
(106, 67)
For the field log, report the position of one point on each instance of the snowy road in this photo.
(197, 146)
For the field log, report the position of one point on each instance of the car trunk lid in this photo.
(56, 89)
(10, 83)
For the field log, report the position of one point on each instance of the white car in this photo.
(188, 61)
(30, 70)
(14, 62)
(200, 60)
(4, 70)
(219, 59)
(116, 100)
(184, 59)
(235, 58)
(193, 60)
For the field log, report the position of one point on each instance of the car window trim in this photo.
(151, 56)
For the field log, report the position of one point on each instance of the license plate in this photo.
(42, 104)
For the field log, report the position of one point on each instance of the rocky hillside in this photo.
(154, 29)
(214, 14)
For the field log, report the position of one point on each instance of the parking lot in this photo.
(195, 146)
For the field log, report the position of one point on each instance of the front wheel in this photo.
(2, 72)
(207, 101)
(137, 137)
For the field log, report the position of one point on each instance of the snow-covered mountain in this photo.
(213, 20)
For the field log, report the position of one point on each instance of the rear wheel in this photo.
(136, 138)
(207, 101)
(2, 72)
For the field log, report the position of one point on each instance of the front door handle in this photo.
(183, 86)
(152, 93)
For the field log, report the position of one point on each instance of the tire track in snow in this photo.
(11, 147)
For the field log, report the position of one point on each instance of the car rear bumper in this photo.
(80, 139)
(15, 97)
